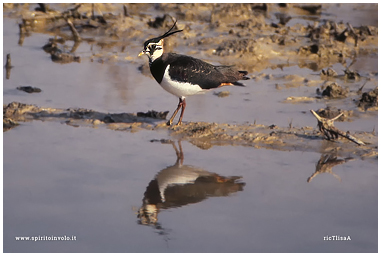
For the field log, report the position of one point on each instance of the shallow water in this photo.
(89, 183)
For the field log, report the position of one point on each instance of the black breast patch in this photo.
(158, 67)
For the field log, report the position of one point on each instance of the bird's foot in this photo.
(169, 123)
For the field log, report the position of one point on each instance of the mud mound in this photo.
(335, 91)
(369, 100)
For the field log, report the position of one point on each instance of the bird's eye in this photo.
(152, 47)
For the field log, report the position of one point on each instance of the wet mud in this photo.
(233, 33)
(202, 134)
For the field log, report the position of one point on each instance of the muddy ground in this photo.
(201, 134)
(235, 34)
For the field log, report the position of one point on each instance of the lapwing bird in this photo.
(183, 75)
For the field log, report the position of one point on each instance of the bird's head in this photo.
(153, 47)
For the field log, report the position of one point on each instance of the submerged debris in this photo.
(29, 89)
(222, 94)
(80, 116)
(59, 55)
(329, 72)
(16, 110)
(311, 8)
(369, 100)
(302, 99)
(51, 46)
(9, 62)
(8, 66)
(153, 114)
(63, 58)
(349, 74)
(335, 91)
(9, 123)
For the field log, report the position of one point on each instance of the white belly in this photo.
(179, 89)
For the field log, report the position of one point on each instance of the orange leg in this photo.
(181, 105)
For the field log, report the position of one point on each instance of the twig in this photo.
(77, 37)
(125, 12)
(330, 132)
(359, 91)
(93, 11)
(8, 66)
(9, 62)
(353, 33)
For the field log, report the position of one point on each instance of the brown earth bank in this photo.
(202, 134)
(238, 34)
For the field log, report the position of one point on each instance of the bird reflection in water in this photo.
(180, 185)
(326, 163)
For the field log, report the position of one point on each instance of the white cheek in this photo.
(156, 54)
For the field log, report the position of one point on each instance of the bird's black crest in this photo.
(166, 34)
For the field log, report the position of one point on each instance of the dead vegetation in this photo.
(330, 132)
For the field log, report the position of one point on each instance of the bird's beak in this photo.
(141, 53)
